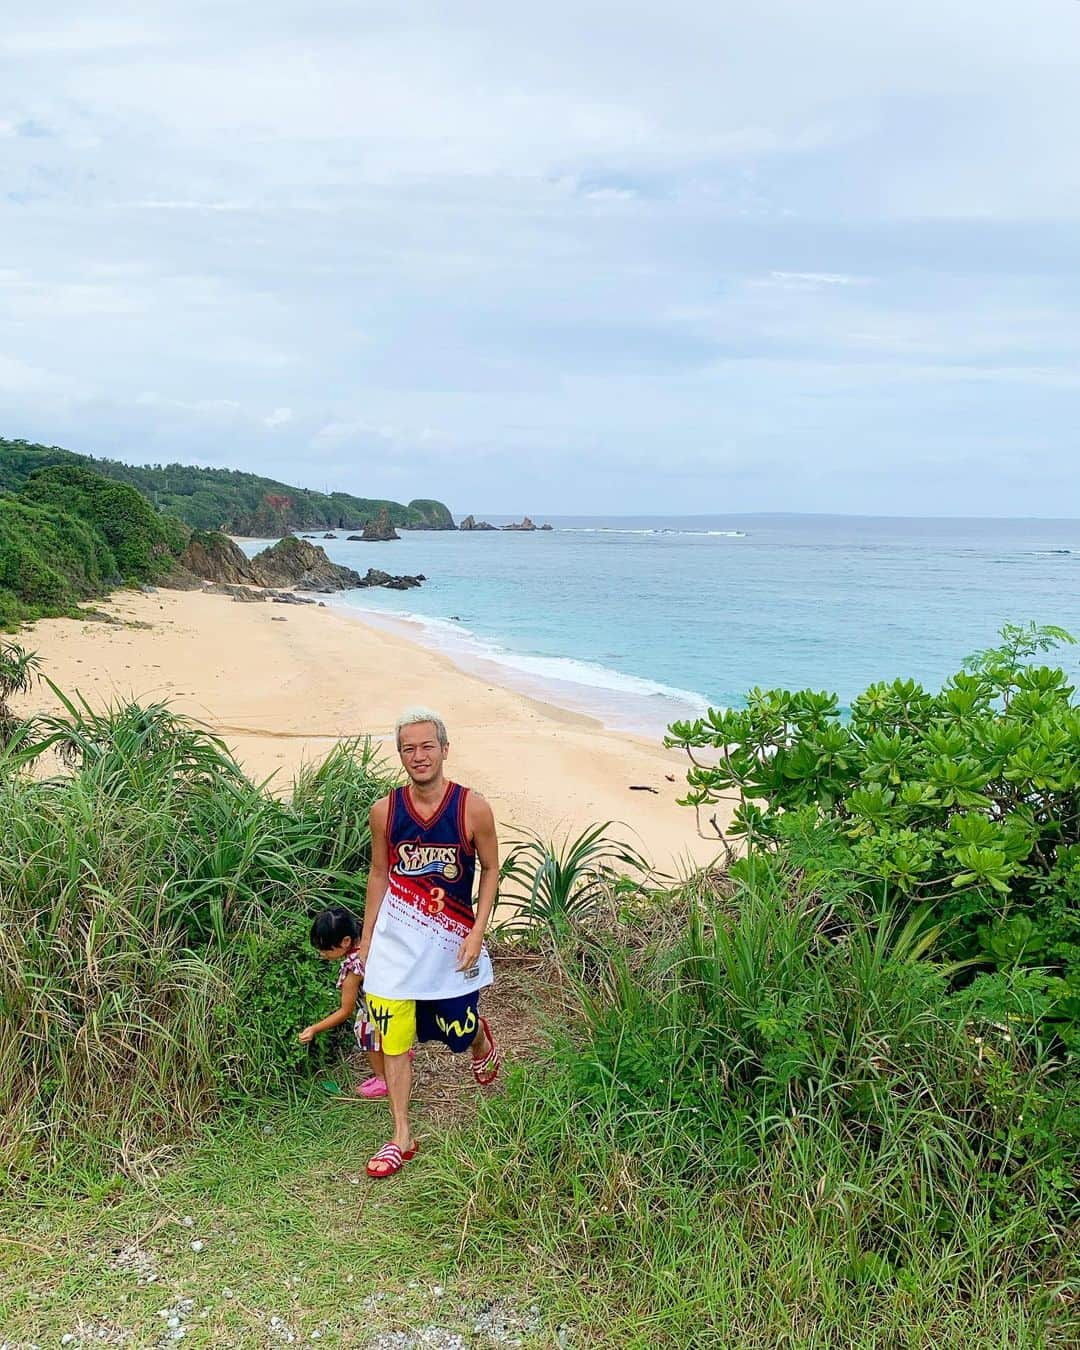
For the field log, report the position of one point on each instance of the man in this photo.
(422, 946)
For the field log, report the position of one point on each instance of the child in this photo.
(335, 935)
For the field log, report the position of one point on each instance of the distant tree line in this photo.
(226, 499)
(73, 527)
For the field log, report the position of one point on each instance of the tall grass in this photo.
(140, 887)
(766, 1120)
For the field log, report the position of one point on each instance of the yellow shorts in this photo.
(401, 1021)
(396, 1020)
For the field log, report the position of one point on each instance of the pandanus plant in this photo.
(555, 885)
(18, 671)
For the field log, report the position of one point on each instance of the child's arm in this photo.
(350, 992)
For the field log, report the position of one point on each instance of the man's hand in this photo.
(469, 951)
(307, 1036)
(362, 949)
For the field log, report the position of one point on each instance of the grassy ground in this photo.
(296, 1246)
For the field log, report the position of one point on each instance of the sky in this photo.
(577, 257)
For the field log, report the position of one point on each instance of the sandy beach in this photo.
(280, 684)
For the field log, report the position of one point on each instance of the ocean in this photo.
(639, 621)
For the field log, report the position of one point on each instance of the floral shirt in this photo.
(352, 965)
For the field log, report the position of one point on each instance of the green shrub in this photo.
(154, 906)
(967, 800)
(142, 544)
(49, 561)
(280, 986)
(763, 1109)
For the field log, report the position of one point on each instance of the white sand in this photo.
(281, 693)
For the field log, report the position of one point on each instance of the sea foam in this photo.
(615, 697)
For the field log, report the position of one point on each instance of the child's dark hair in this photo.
(332, 927)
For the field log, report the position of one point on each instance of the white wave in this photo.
(611, 529)
(461, 642)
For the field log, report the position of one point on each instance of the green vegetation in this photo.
(226, 499)
(765, 1119)
(18, 671)
(961, 806)
(794, 1104)
(49, 561)
(153, 957)
(141, 541)
(72, 535)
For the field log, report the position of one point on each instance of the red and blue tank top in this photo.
(427, 910)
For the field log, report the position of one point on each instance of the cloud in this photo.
(811, 280)
(202, 407)
(19, 377)
(591, 250)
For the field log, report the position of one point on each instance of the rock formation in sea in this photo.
(471, 523)
(301, 566)
(380, 529)
(291, 564)
(526, 524)
(374, 577)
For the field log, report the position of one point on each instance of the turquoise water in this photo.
(639, 621)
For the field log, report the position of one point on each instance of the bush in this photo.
(49, 561)
(153, 902)
(764, 1108)
(140, 541)
(279, 985)
(967, 800)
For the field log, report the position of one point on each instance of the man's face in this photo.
(421, 753)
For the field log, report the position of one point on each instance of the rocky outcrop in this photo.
(526, 524)
(545, 527)
(214, 557)
(355, 538)
(291, 564)
(471, 523)
(246, 594)
(329, 535)
(301, 566)
(376, 578)
(380, 529)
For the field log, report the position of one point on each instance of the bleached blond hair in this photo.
(412, 717)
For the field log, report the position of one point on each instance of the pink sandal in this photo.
(486, 1070)
(374, 1087)
(394, 1157)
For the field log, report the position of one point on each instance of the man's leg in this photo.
(482, 1043)
(396, 1020)
(458, 1024)
(398, 1086)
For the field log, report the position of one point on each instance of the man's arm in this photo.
(378, 876)
(480, 823)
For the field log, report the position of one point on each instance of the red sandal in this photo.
(486, 1070)
(392, 1155)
